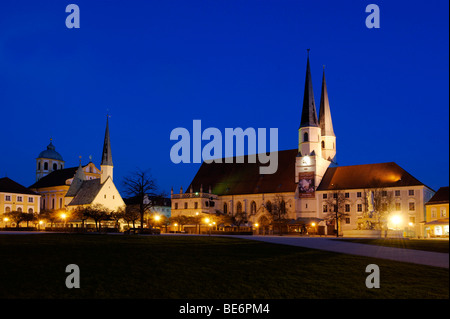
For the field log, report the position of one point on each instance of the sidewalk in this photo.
(398, 254)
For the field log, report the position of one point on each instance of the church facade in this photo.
(69, 188)
(307, 177)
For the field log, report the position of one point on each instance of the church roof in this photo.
(50, 153)
(55, 178)
(7, 185)
(244, 178)
(309, 113)
(87, 192)
(106, 155)
(325, 122)
(440, 197)
(367, 176)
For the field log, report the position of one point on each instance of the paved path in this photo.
(340, 246)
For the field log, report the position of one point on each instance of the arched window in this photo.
(253, 208)
(7, 209)
(225, 208)
(39, 166)
(19, 209)
(239, 207)
(323, 144)
(305, 137)
(269, 206)
(30, 210)
(45, 166)
(55, 166)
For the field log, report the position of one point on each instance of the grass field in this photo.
(121, 266)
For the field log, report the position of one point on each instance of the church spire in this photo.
(106, 156)
(325, 122)
(107, 163)
(309, 114)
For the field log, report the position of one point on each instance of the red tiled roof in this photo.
(367, 176)
(244, 178)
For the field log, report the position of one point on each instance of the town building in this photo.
(437, 210)
(15, 197)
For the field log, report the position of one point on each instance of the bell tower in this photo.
(107, 163)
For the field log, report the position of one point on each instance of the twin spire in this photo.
(309, 113)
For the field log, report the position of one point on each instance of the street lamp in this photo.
(314, 227)
(64, 216)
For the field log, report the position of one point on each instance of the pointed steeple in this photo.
(106, 156)
(325, 122)
(309, 114)
(77, 181)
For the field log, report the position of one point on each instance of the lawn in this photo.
(435, 245)
(194, 267)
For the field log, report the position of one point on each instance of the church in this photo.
(69, 188)
(307, 178)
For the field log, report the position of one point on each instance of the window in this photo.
(225, 208)
(347, 220)
(411, 192)
(358, 194)
(347, 195)
(30, 200)
(176, 205)
(433, 212)
(324, 196)
(397, 192)
(335, 195)
(207, 203)
(398, 206)
(195, 205)
(60, 203)
(305, 137)
(7, 198)
(412, 219)
(384, 193)
(55, 166)
(45, 166)
(325, 208)
(269, 206)
(253, 208)
(323, 144)
(347, 208)
(443, 212)
(359, 207)
(185, 205)
(412, 206)
(19, 198)
(39, 166)
(239, 207)
(30, 210)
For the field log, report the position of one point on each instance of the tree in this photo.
(379, 203)
(139, 186)
(130, 213)
(15, 216)
(81, 214)
(336, 202)
(277, 212)
(97, 212)
(181, 220)
(50, 215)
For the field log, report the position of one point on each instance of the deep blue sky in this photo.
(157, 65)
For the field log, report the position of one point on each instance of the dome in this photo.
(50, 153)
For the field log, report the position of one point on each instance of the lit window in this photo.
(443, 212)
(433, 212)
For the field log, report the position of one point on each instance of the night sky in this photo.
(158, 65)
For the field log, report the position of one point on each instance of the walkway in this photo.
(340, 246)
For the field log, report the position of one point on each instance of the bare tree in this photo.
(278, 212)
(140, 185)
(379, 203)
(336, 201)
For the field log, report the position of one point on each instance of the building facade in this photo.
(437, 210)
(16, 198)
(304, 179)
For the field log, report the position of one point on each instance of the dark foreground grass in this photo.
(120, 266)
(434, 245)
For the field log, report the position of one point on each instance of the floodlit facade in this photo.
(305, 177)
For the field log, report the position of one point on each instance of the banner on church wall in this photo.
(306, 187)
